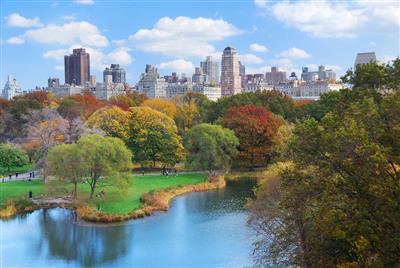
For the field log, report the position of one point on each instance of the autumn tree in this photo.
(122, 101)
(164, 106)
(103, 158)
(112, 120)
(66, 162)
(211, 148)
(186, 116)
(153, 137)
(12, 157)
(256, 129)
(82, 105)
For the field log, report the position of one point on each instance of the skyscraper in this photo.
(364, 58)
(211, 69)
(151, 84)
(230, 72)
(77, 67)
(118, 74)
(275, 77)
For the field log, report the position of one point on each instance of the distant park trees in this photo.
(12, 157)
(211, 148)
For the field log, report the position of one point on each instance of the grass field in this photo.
(114, 200)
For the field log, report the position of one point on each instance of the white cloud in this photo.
(121, 56)
(70, 33)
(16, 20)
(180, 66)
(258, 70)
(250, 59)
(387, 59)
(84, 2)
(258, 48)
(286, 65)
(318, 18)
(295, 53)
(387, 12)
(260, 3)
(57, 54)
(69, 17)
(183, 36)
(59, 68)
(119, 42)
(15, 40)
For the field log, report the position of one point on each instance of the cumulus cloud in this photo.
(250, 59)
(70, 33)
(16, 20)
(84, 2)
(258, 48)
(15, 40)
(183, 37)
(386, 12)
(318, 18)
(120, 55)
(180, 66)
(295, 53)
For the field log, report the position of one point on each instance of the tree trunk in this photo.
(92, 187)
(75, 189)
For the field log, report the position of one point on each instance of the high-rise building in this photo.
(11, 88)
(93, 80)
(53, 82)
(364, 58)
(275, 77)
(77, 67)
(230, 72)
(322, 74)
(118, 74)
(211, 69)
(198, 77)
(151, 84)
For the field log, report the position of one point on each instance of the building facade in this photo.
(12, 88)
(213, 93)
(322, 74)
(53, 82)
(117, 73)
(77, 67)
(364, 58)
(174, 90)
(151, 84)
(230, 72)
(199, 77)
(211, 69)
(275, 77)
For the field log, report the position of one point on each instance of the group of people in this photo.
(166, 171)
(31, 176)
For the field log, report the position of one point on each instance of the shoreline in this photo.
(157, 201)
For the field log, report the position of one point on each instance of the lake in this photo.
(205, 229)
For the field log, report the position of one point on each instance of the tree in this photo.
(103, 158)
(153, 137)
(186, 116)
(82, 105)
(66, 162)
(112, 120)
(11, 156)
(256, 129)
(211, 148)
(123, 102)
(166, 107)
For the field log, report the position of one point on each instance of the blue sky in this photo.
(176, 35)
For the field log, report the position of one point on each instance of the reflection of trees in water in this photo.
(230, 199)
(88, 246)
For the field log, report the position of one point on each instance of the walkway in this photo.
(21, 177)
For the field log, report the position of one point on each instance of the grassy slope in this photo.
(114, 201)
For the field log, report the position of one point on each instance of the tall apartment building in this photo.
(322, 74)
(151, 84)
(211, 69)
(275, 77)
(230, 72)
(77, 67)
(53, 82)
(364, 58)
(11, 88)
(118, 74)
(199, 77)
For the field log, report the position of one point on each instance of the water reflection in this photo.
(205, 229)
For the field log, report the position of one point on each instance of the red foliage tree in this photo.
(256, 128)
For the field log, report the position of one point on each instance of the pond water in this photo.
(206, 229)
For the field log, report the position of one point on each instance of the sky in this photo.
(176, 35)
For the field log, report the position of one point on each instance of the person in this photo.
(176, 172)
(33, 174)
(16, 175)
(9, 177)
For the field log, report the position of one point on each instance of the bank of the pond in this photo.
(144, 195)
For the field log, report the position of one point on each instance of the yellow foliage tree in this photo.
(112, 120)
(165, 106)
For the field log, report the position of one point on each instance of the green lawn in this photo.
(114, 201)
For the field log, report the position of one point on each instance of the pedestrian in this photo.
(9, 177)
(176, 172)
(33, 174)
(16, 175)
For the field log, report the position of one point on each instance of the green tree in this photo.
(103, 157)
(66, 162)
(11, 156)
(211, 148)
(153, 137)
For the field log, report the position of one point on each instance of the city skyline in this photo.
(40, 34)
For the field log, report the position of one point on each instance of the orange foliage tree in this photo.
(256, 128)
(165, 106)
